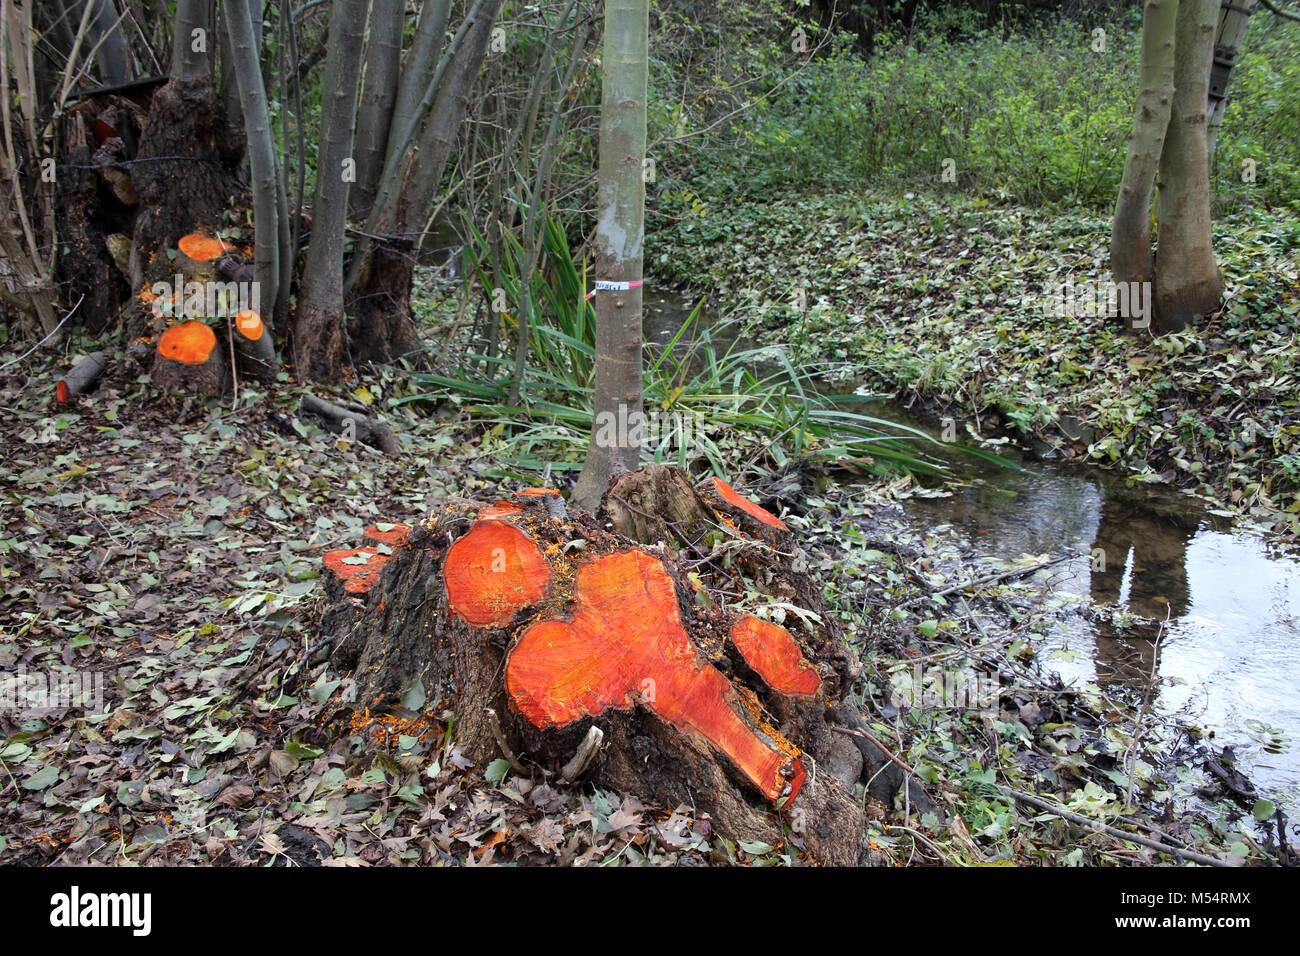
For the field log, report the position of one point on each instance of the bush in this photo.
(1037, 118)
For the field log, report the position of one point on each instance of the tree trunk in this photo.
(1188, 281)
(114, 56)
(1234, 20)
(1131, 258)
(261, 150)
(318, 330)
(615, 445)
(189, 357)
(378, 94)
(379, 300)
(192, 34)
(578, 646)
(187, 190)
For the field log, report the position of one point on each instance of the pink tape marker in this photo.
(605, 285)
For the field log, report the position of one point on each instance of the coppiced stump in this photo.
(539, 623)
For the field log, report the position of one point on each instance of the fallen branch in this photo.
(1064, 814)
(83, 374)
(994, 578)
(352, 424)
(1281, 11)
(494, 724)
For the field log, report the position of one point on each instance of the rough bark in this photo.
(318, 329)
(1188, 281)
(189, 358)
(1131, 258)
(86, 217)
(539, 623)
(620, 231)
(178, 196)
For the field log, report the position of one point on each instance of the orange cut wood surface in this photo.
(189, 342)
(394, 537)
(249, 324)
(202, 248)
(493, 573)
(501, 509)
(624, 642)
(730, 495)
(774, 655)
(357, 576)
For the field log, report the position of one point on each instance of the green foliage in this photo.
(735, 401)
(1262, 121)
(1041, 116)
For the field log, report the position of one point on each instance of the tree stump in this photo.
(187, 358)
(614, 646)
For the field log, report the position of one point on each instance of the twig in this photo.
(1280, 11)
(990, 579)
(52, 332)
(495, 726)
(1190, 855)
(871, 738)
(586, 750)
(1142, 711)
(916, 835)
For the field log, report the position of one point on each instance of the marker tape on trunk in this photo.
(605, 285)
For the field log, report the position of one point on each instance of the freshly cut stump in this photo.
(538, 623)
(187, 358)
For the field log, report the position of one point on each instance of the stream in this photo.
(1221, 644)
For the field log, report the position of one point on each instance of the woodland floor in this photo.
(175, 549)
(938, 301)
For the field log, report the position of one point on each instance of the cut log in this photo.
(551, 631)
(187, 358)
(81, 377)
(255, 346)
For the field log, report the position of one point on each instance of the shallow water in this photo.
(1228, 658)
(1223, 604)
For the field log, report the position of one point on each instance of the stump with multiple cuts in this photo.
(541, 623)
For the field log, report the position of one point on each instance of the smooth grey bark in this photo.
(434, 145)
(383, 64)
(318, 331)
(1188, 280)
(188, 62)
(420, 65)
(1131, 258)
(615, 445)
(397, 194)
(113, 57)
(261, 152)
(229, 86)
